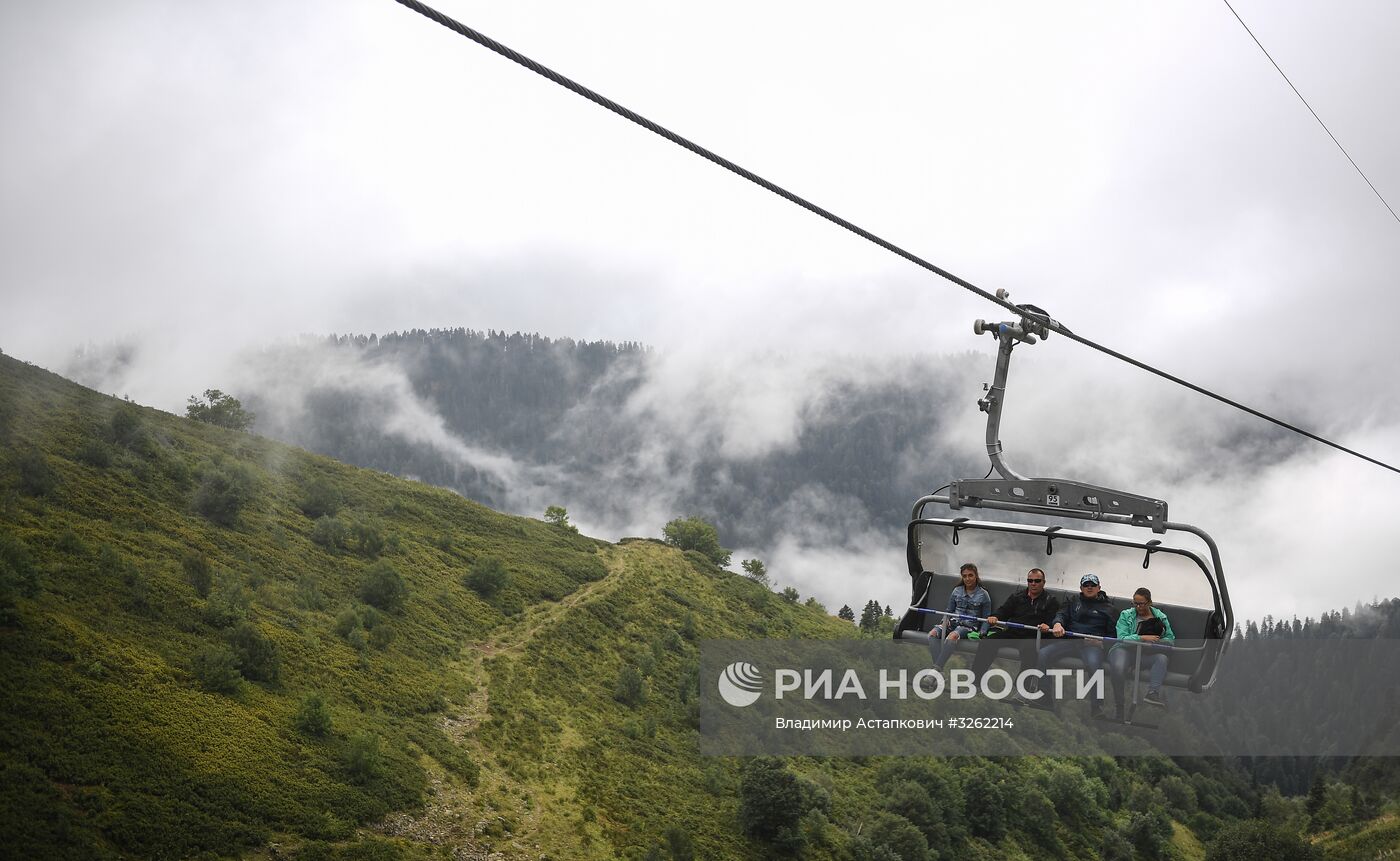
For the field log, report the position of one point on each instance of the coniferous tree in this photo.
(871, 616)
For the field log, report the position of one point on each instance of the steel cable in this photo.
(601, 100)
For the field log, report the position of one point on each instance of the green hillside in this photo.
(213, 644)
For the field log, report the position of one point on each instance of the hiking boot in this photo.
(1154, 698)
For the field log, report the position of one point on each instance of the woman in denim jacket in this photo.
(968, 600)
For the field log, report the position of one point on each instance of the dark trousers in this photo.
(1088, 651)
(1024, 641)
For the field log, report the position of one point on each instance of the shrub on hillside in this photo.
(138, 590)
(380, 636)
(18, 576)
(1204, 826)
(330, 532)
(198, 572)
(382, 587)
(227, 605)
(95, 453)
(124, 426)
(321, 499)
(71, 543)
(216, 669)
(178, 473)
(486, 577)
(987, 805)
(109, 562)
(363, 758)
(257, 655)
(222, 493)
(126, 430)
(313, 718)
(36, 477)
(367, 538)
(631, 688)
(378, 632)
(695, 533)
(308, 594)
(346, 620)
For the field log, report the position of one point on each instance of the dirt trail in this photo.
(454, 815)
(512, 637)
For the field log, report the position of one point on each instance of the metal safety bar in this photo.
(1138, 645)
(1000, 623)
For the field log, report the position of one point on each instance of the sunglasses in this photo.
(1035, 579)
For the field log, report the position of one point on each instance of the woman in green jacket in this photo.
(1140, 623)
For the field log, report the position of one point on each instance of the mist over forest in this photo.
(528, 421)
(810, 463)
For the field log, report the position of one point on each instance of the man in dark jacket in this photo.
(1031, 606)
(1090, 612)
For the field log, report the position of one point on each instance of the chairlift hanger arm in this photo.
(1040, 495)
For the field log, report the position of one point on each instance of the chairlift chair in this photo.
(1187, 586)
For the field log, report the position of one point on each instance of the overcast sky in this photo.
(198, 178)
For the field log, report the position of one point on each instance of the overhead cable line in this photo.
(626, 113)
(1313, 112)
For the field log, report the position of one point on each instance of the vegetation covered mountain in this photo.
(565, 409)
(212, 644)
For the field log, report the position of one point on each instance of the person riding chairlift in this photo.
(969, 599)
(1091, 613)
(1140, 623)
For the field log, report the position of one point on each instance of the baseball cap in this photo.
(1089, 580)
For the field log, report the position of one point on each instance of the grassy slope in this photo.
(110, 745)
(1364, 841)
(567, 765)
